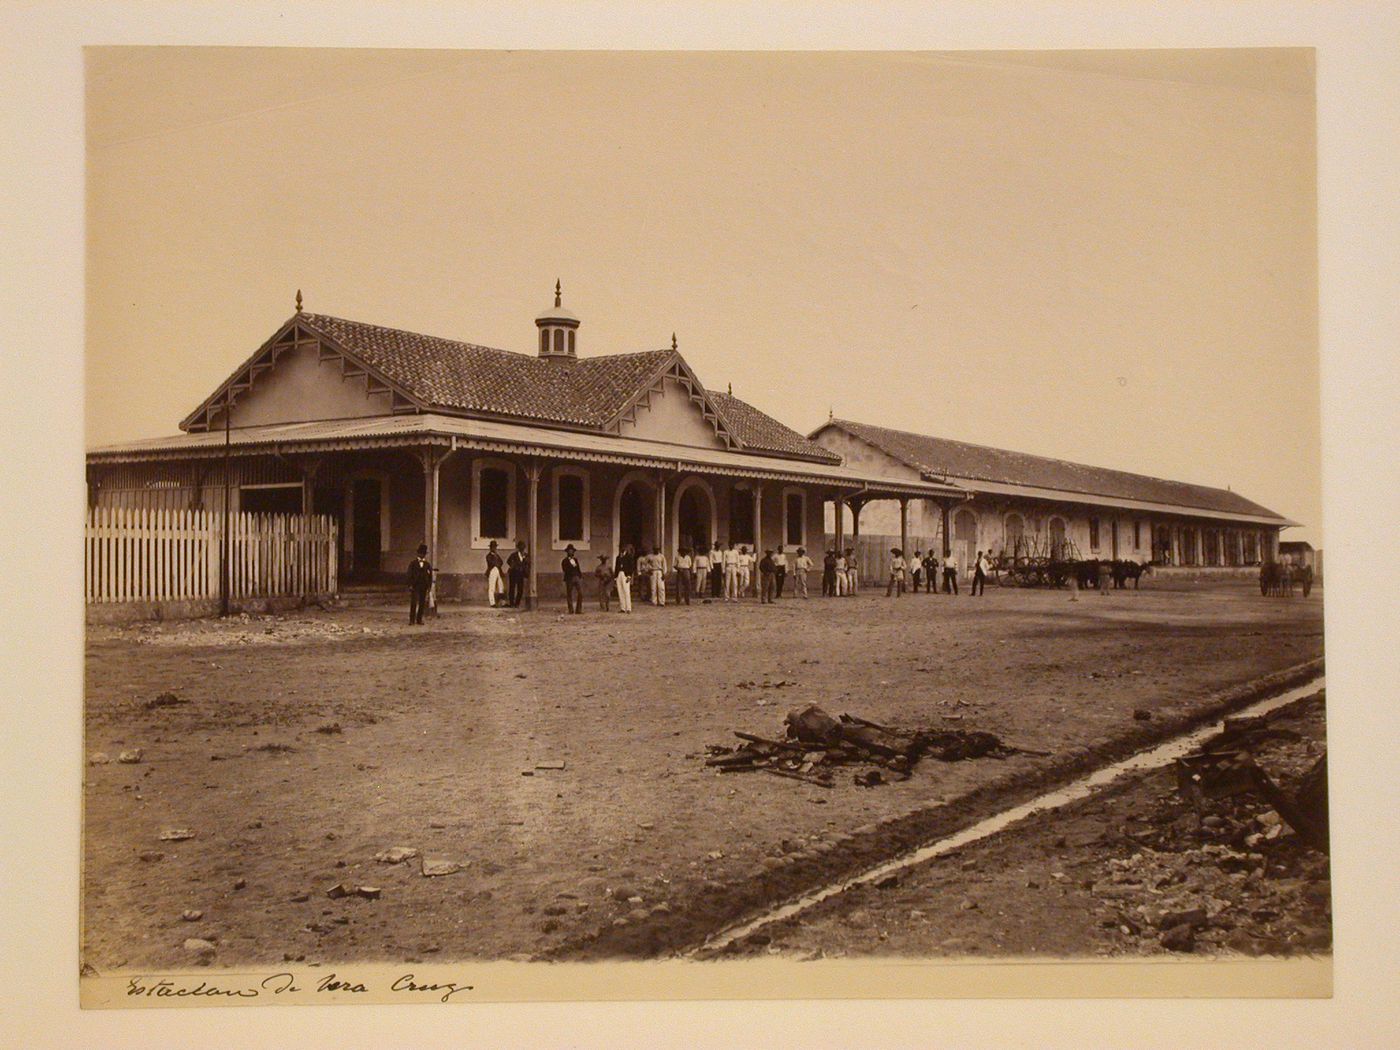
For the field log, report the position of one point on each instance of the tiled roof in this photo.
(464, 377)
(936, 457)
(589, 392)
(762, 432)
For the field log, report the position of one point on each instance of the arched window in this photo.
(559, 340)
(1015, 535)
(571, 340)
(1093, 534)
(1057, 538)
(544, 340)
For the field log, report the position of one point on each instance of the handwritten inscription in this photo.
(272, 985)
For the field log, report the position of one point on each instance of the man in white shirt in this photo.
(685, 564)
(842, 581)
(658, 577)
(800, 567)
(780, 568)
(701, 573)
(729, 561)
(950, 573)
(896, 584)
(852, 573)
(745, 569)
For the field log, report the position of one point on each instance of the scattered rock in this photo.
(1141, 714)
(176, 835)
(199, 946)
(1194, 918)
(369, 893)
(166, 699)
(968, 905)
(150, 856)
(550, 765)
(396, 855)
(300, 898)
(338, 891)
(99, 758)
(435, 866)
(1179, 938)
(239, 884)
(131, 758)
(191, 915)
(555, 909)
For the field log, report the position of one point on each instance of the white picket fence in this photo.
(148, 555)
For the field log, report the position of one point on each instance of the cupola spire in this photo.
(558, 328)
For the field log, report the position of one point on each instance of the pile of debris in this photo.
(815, 742)
(1225, 767)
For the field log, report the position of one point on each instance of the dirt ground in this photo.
(300, 747)
(1106, 876)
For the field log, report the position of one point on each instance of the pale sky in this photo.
(1107, 257)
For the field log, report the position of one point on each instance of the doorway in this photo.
(365, 496)
(634, 517)
(693, 519)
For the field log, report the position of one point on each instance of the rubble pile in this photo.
(815, 743)
(1234, 858)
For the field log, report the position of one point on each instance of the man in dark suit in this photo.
(573, 580)
(420, 582)
(518, 569)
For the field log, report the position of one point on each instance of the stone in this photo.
(1194, 918)
(435, 866)
(369, 893)
(191, 915)
(637, 914)
(338, 891)
(176, 835)
(1212, 821)
(550, 765)
(133, 757)
(968, 905)
(200, 946)
(555, 909)
(99, 758)
(1269, 819)
(1141, 714)
(300, 898)
(396, 855)
(1179, 938)
(661, 909)
(239, 884)
(150, 856)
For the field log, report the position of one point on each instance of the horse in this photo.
(1123, 571)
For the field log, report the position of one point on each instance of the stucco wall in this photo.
(299, 387)
(671, 416)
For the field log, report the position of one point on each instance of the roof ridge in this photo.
(1034, 455)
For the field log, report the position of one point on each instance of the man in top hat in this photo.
(495, 586)
(573, 580)
(420, 582)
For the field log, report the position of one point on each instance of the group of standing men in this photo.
(923, 570)
(724, 571)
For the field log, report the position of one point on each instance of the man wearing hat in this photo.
(494, 585)
(573, 580)
(420, 582)
(517, 569)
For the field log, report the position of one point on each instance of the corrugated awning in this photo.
(496, 436)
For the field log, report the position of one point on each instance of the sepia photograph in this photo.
(698, 508)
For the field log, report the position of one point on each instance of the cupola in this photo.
(558, 329)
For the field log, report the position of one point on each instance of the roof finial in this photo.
(731, 389)
(674, 344)
(558, 293)
(298, 300)
(830, 413)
